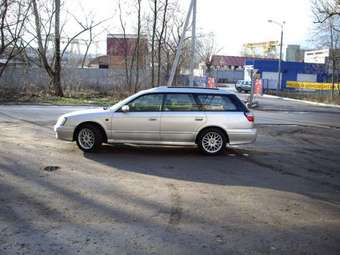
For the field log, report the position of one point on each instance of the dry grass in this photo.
(79, 97)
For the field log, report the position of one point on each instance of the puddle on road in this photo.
(51, 168)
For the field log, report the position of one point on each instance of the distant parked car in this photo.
(243, 86)
(208, 118)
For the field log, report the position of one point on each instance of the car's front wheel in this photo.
(89, 138)
(212, 141)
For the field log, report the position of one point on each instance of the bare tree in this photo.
(327, 32)
(13, 15)
(164, 34)
(175, 28)
(131, 46)
(125, 46)
(56, 81)
(137, 46)
(53, 69)
(89, 25)
(45, 15)
(325, 9)
(161, 38)
(153, 40)
(206, 49)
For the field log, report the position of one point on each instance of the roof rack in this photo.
(187, 87)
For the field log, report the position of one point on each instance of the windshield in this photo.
(124, 101)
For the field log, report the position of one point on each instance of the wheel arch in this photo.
(96, 124)
(209, 127)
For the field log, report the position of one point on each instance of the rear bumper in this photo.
(242, 136)
(64, 133)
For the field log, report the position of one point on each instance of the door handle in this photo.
(152, 119)
(199, 118)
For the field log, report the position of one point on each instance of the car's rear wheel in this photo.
(89, 138)
(212, 141)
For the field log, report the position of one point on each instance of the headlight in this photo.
(61, 121)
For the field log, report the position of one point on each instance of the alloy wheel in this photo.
(86, 138)
(212, 142)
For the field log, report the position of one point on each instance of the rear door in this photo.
(141, 122)
(181, 118)
(226, 112)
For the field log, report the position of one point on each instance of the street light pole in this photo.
(279, 75)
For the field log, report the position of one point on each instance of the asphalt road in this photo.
(280, 195)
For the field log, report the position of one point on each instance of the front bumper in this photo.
(64, 133)
(242, 136)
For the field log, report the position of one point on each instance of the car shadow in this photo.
(181, 163)
(235, 167)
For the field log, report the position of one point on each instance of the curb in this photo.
(254, 105)
(303, 101)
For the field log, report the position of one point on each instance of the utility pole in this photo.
(193, 43)
(180, 45)
(279, 76)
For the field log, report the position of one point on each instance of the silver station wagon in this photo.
(208, 118)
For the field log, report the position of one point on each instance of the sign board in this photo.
(247, 72)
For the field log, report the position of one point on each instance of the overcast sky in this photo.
(234, 22)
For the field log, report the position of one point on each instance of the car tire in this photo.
(89, 138)
(212, 141)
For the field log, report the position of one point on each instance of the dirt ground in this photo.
(278, 196)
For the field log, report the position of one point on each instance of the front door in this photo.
(141, 122)
(181, 118)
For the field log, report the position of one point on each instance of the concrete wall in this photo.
(229, 75)
(100, 80)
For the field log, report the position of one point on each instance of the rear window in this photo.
(216, 103)
(221, 103)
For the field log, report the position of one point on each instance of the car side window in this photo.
(146, 103)
(180, 103)
(216, 103)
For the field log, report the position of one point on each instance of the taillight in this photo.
(250, 116)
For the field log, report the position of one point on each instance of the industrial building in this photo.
(294, 53)
(120, 47)
(226, 69)
(291, 71)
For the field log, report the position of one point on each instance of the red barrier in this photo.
(258, 87)
(211, 82)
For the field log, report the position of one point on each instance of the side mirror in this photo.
(125, 108)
